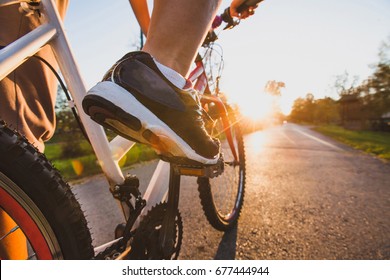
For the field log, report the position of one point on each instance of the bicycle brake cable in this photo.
(68, 97)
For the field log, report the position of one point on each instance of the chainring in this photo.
(145, 243)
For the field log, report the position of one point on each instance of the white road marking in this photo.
(285, 136)
(319, 140)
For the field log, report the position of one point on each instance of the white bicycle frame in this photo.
(108, 153)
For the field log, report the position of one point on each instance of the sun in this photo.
(259, 107)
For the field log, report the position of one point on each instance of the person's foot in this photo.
(138, 102)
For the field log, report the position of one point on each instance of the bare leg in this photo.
(177, 29)
(156, 94)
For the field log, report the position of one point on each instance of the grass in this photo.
(84, 163)
(377, 143)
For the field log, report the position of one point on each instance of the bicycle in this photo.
(40, 202)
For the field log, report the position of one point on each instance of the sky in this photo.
(303, 43)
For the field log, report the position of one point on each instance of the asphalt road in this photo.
(307, 197)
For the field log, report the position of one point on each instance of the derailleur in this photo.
(129, 194)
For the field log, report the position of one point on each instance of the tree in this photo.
(311, 110)
(67, 129)
(327, 111)
(379, 84)
(297, 110)
(303, 109)
(274, 88)
(368, 102)
(66, 123)
(344, 83)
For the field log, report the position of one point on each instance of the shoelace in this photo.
(203, 114)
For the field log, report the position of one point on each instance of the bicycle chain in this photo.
(145, 244)
(145, 237)
(111, 252)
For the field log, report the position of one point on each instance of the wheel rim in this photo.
(42, 242)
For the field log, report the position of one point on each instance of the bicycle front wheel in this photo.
(39, 215)
(222, 197)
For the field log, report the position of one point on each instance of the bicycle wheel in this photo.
(222, 197)
(39, 205)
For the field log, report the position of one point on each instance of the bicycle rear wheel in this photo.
(222, 197)
(37, 205)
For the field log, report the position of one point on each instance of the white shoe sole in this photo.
(152, 131)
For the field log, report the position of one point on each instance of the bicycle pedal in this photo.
(209, 171)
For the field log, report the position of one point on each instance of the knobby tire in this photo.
(224, 220)
(40, 202)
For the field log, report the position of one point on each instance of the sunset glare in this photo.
(303, 43)
(257, 107)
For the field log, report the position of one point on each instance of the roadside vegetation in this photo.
(360, 106)
(76, 159)
(373, 142)
(360, 117)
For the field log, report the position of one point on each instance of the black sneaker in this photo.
(138, 102)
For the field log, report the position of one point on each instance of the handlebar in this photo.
(227, 18)
(247, 4)
(12, 2)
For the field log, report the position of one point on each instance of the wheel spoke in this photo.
(10, 232)
(31, 256)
